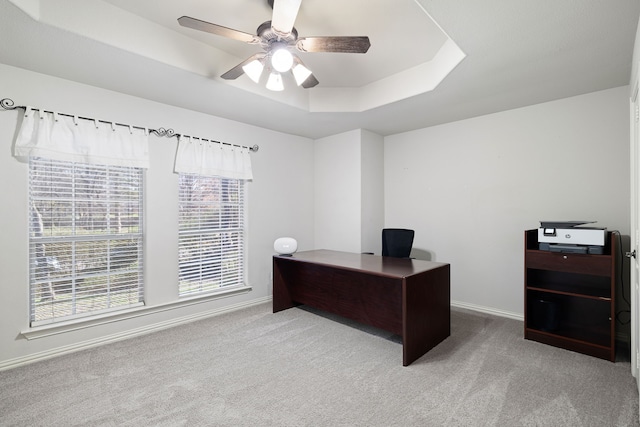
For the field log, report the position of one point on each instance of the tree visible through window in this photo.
(211, 233)
(85, 240)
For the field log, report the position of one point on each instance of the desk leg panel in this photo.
(426, 312)
(281, 295)
(371, 299)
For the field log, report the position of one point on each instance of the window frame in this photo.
(197, 275)
(97, 267)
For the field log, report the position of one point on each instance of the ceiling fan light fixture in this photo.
(281, 59)
(278, 38)
(300, 73)
(254, 70)
(284, 15)
(275, 82)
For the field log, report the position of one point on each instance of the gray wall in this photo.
(471, 188)
(349, 196)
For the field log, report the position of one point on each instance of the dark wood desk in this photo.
(407, 297)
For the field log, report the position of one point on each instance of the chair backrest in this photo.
(397, 242)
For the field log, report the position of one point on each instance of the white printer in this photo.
(568, 236)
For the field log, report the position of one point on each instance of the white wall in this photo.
(349, 191)
(277, 204)
(337, 192)
(372, 191)
(471, 188)
(634, 145)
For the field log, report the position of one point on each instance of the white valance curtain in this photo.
(212, 158)
(66, 138)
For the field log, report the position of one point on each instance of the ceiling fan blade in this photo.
(310, 82)
(218, 30)
(355, 44)
(237, 71)
(284, 15)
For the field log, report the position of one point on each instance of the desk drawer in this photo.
(598, 265)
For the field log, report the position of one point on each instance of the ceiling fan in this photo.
(277, 38)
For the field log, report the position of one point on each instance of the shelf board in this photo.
(596, 256)
(572, 291)
(602, 341)
(596, 349)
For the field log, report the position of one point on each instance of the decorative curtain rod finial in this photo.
(8, 104)
(164, 132)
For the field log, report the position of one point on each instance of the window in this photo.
(211, 233)
(85, 244)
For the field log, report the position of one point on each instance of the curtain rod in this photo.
(8, 104)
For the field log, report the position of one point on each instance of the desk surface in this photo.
(383, 266)
(407, 297)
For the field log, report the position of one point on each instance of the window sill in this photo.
(88, 322)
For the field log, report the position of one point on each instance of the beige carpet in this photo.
(301, 368)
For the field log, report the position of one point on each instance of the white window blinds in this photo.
(85, 240)
(211, 233)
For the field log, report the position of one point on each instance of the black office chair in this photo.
(397, 242)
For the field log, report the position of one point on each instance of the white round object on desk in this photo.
(285, 245)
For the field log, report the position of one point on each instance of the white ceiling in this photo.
(393, 22)
(518, 53)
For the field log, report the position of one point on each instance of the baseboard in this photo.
(60, 351)
(488, 310)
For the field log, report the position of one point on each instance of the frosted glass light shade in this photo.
(275, 82)
(254, 70)
(285, 245)
(301, 73)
